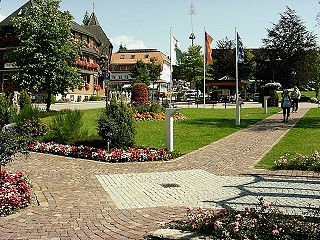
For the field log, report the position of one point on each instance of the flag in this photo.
(240, 51)
(176, 53)
(208, 51)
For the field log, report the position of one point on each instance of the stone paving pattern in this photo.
(75, 203)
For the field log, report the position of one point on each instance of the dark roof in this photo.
(78, 28)
(94, 27)
(7, 21)
(93, 20)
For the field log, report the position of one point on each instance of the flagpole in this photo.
(204, 69)
(237, 82)
(171, 69)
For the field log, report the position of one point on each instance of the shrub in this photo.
(24, 99)
(29, 122)
(66, 128)
(139, 94)
(265, 222)
(8, 111)
(299, 162)
(152, 106)
(10, 144)
(14, 192)
(95, 98)
(116, 124)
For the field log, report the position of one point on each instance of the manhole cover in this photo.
(170, 185)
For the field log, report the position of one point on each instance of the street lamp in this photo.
(104, 74)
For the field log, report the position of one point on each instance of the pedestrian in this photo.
(286, 105)
(295, 96)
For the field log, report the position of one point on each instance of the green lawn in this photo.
(303, 138)
(202, 127)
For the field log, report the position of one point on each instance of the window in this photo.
(22, 12)
(121, 56)
(4, 56)
(126, 68)
(113, 77)
(5, 77)
(146, 56)
(126, 77)
(120, 77)
(132, 56)
(120, 68)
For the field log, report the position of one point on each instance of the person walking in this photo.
(286, 105)
(295, 96)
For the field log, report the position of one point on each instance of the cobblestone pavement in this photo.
(82, 199)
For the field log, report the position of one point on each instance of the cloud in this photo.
(2, 17)
(128, 42)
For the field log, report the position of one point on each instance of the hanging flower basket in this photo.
(97, 88)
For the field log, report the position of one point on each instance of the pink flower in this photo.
(275, 232)
(265, 205)
(254, 221)
(235, 230)
(282, 212)
(238, 217)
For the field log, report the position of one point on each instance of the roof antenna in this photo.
(93, 6)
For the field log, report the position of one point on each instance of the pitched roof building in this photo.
(123, 61)
(97, 47)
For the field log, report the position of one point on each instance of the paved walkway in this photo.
(82, 199)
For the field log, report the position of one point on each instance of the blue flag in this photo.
(240, 51)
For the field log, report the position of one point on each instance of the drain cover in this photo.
(170, 185)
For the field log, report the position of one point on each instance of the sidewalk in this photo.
(82, 199)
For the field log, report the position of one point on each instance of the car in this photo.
(256, 97)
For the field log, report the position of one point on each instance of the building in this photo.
(123, 61)
(97, 48)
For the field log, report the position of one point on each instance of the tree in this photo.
(290, 41)
(191, 67)
(140, 73)
(154, 70)
(317, 76)
(47, 50)
(224, 61)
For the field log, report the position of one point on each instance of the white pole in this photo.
(237, 83)
(204, 70)
(171, 69)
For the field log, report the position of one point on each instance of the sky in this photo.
(147, 23)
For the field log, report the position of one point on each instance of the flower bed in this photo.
(299, 162)
(115, 155)
(161, 116)
(265, 222)
(14, 192)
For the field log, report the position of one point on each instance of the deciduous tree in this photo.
(47, 50)
(290, 41)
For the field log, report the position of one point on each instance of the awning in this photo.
(126, 86)
(153, 86)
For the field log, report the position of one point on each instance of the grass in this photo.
(203, 126)
(302, 138)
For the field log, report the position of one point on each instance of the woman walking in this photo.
(286, 105)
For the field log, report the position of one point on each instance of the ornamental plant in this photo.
(66, 128)
(24, 99)
(139, 94)
(115, 155)
(14, 192)
(29, 122)
(116, 124)
(10, 144)
(264, 222)
(299, 162)
(8, 111)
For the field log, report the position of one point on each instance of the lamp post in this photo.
(104, 73)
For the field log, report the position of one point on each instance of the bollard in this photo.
(238, 105)
(265, 100)
(169, 127)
